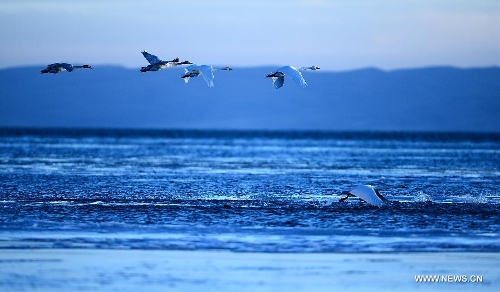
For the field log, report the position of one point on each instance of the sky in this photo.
(335, 35)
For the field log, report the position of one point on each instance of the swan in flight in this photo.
(366, 193)
(278, 77)
(155, 64)
(206, 71)
(59, 67)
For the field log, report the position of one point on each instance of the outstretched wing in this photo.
(368, 194)
(295, 74)
(152, 59)
(51, 68)
(208, 74)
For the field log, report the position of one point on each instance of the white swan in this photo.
(367, 193)
(155, 64)
(206, 71)
(59, 67)
(278, 77)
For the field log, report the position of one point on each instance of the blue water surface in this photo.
(244, 191)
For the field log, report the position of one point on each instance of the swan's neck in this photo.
(223, 68)
(308, 68)
(82, 66)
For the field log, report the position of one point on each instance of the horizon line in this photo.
(361, 68)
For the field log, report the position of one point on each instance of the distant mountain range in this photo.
(425, 99)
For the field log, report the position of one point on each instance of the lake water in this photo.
(245, 191)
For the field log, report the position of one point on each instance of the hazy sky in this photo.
(335, 35)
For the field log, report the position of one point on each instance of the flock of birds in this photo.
(193, 70)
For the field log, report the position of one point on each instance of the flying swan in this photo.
(59, 67)
(155, 64)
(206, 71)
(366, 193)
(278, 77)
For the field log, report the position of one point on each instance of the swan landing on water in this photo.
(206, 71)
(366, 193)
(278, 77)
(59, 67)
